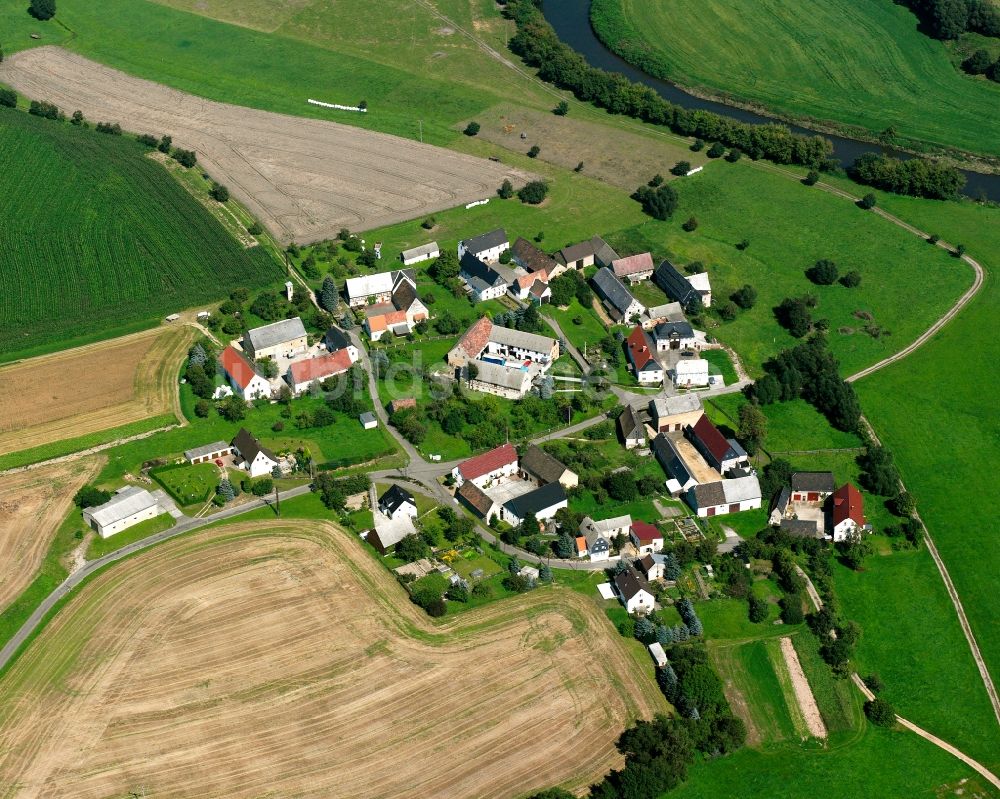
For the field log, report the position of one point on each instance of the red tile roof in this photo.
(639, 350)
(477, 337)
(334, 363)
(581, 544)
(646, 533)
(386, 320)
(710, 436)
(488, 462)
(237, 367)
(633, 264)
(848, 504)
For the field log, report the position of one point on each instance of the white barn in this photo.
(129, 506)
(422, 253)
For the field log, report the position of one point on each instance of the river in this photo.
(571, 20)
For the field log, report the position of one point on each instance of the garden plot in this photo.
(305, 179)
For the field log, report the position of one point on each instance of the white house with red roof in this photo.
(641, 354)
(847, 512)
(302, 374)
(242, 376)
(484, 470)
(634, 268)
(646, 537)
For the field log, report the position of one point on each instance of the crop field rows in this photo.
(96, 387)
(272, 657)
(304, 179)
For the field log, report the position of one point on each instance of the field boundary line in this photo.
(947, 747)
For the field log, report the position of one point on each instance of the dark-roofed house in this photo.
(633, 592)
(484, 282)
(812, 486)
(577, 256)
(336, 339)
(646, 537)
(634, 268)
(484, 469)
(780, 505)
(640, 350)
(674, 464)
(677, 287)
(617, 300)
(724, 496)
(674, 336)
(847, 512)
(651, 567)
(486, 246)
(477, 500)
(604, 255)
(256, 459)
(542, 502)
(542, 468)
(397, 501)
(801, 528)
(632, 427)
(529, 257)
(721, 453)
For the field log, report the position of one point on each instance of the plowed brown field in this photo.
(280, 659)
(32, 506)
(87, 389)
(305, 179)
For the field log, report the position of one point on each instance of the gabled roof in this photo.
(645, 532)
(709, 494)
(613, 291)
(671, 311)
(480, 275)
(126, 502)
(675, 284)
(538, 462)
(647, 562)
(249, 446)
(333, 363)
(486, 241)
(700, 282)
(640, 349)
(510, 377)
(276, 333)
(662, 407)
(530, 257)
(509, 337)
(478, 499)
(400, 404)
(395, 498)
(781, 500)
(691, 366)
(536, 501)
(389, 532)
(379, 283)
(666, 330)
(629, 584)
(237, 367)
(539, 289)
(576, 252)
(423, 249)
(671, 459)
(710, 437)
(741, 489)
(488, 462)
(404, 295)
(802, 528)
(581, 544)
(336, 339)
(476, 337)
(206, 449)
(604, 526)
(603, 253)
(633, 264)
(847, 503)
(630, 424)
(384, 317)
(813, 481)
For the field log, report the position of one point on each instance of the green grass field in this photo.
(855, 64)
(102, 546)
(97, 237)
(188, 483)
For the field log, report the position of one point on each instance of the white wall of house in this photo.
(484, 480)
(500, 391)
(260, 466)
(647, 549)
(492, 254)
(543, 515)
(649, 376)
(106, 531)
(257, 388)
(843, 531)
(683, 343)
(720, 510)
(490, 293)
(643, 600)
(283, 349)
(416, 259)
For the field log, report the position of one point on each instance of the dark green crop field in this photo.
(97, 238)
(851, 63)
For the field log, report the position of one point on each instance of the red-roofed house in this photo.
(472, 343)
(486, 468)
(521, 287)
(242, 376)
(646, 537)
(634, 268)
(302, 374)
(641, 354)
(847, 511)
(581, 546)
(721, 453)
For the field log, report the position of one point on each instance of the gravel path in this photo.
(803, 693)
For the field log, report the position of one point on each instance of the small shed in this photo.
(368, 420)
(659, 656)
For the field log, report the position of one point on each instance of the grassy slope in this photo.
(97, 236)
(853, 62)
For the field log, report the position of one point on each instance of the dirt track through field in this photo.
(281, 659)
(91, 388)
(803, 692)
(305, 179)
(32, 506)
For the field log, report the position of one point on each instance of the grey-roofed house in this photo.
(485, 282)
(780, 506)
(537, 465)
(633, 592)
(668, 312)
(676, 286)
(577, 256)
(812, 486)
(369, 421)
(282, 338)
(673, 336)
(208, 452)
(604, 255)
(522, 345)
(510, 382)
(724, 496)
(632, 427)
(674, 413)
(543, 502)
(389, 532)
(485, 246)
(129, 506)
(616, 298)
(422, 253)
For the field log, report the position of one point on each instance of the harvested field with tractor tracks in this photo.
(280, 658)
(305, 179)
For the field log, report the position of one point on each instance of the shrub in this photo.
(823, 273)
(874, 683)
(717, 150)
(534, 192)
(851, 280)
(745, 296)
(681, 168)
(734, 155)
(185, 158)
(659, 203)
(698, 146)
(111, 128)
(791, 609)
(742, 244)
(880, 713)
(756, 609)
(202, 408)
(42, 9)
(219, 193)
(690, 225)
(727, 311)
(471, 129)
(8, 98)
(868, 201)
(811, 178)
(90, 496)
(578, 167)
(656, 180)
(506, 190)
(561, 109)
(534, 151)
